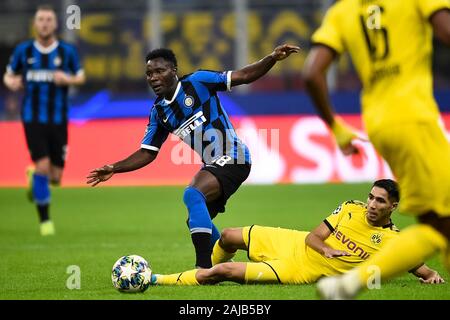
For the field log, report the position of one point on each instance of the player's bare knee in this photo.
(228, 239)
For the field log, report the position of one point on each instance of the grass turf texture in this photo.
(95, 226)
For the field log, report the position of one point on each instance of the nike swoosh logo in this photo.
(164, 119)
(31, 60)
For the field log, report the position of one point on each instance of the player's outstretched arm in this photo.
(427, 275)
(137, 160)
(62, 78)
(256, 70)
(316, 65)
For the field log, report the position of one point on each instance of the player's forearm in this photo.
(137, 160)
(315, 242)
(316, 85)
(77, 80)
(253, 71)
(423, 272)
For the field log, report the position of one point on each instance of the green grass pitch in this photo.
(95, 226)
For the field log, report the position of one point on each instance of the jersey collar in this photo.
(174, 95)
(45, 50)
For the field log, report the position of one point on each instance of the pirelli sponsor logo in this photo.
(40, 75)
(190, 125)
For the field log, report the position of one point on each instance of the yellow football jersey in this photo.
(352, 233)
(390, 43)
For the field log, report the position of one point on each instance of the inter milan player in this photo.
(190, 109)
(44, 67)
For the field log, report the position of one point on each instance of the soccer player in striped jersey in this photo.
(44, 67)
(189, 108)
(347, 237)
(400, 114)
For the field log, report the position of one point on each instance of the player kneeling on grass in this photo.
(346, 238)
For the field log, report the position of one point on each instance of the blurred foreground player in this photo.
(400, 115)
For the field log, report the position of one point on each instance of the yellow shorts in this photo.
(276, 255)
(419, 157)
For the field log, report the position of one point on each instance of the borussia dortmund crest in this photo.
(376, 238)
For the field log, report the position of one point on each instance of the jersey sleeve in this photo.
(75, 63)
(329, 33)
(155, 134)
(333, 219)
(428, 7)
(15, 65)
(214, 80)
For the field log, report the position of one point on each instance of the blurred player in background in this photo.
(400, 115)
(44, 67)
(190, 109)
(352, 233)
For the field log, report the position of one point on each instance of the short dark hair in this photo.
(164, 53)
(390, 186)
(45, 7)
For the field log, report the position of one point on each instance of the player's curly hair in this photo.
(164, 53)
(390, 186)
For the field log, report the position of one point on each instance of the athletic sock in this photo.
(186, 278)
(43, 212)
(219, 255)
(215, 235)
(202, 244)
(41, 195)
(200, 226)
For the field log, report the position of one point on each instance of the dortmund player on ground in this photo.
(349, 236)
(399, 113)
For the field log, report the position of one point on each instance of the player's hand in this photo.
(100, 175)
(284, 51)
(61, 78)
(14, 82)
(435, 278)
(333, 253)
(345, 135)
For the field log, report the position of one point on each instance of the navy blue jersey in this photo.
(44, 102)
(195, 115)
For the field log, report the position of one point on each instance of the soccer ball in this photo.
(131, 273)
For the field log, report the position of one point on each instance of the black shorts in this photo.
(230, 177)
(47, 140)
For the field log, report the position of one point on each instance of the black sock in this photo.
(43, 212)
(203, 250)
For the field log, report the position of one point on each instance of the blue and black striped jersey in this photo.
(44, 102)
(196, 116)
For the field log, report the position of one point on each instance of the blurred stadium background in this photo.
(274, 115)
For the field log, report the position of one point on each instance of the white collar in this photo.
(174, 95)
(45, 50)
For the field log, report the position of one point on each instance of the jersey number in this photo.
(376, 36)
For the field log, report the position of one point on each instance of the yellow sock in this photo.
(219, 255)
(186, 278)
(413, 246)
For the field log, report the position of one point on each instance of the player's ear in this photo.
(394, 205)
